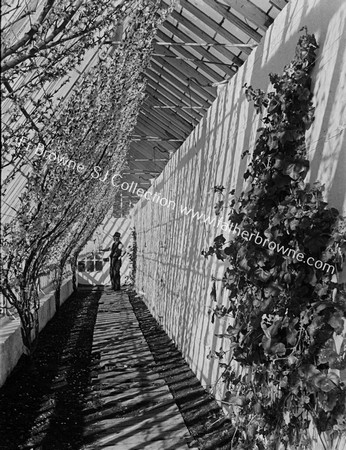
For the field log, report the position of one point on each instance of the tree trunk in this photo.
(28, 313)
(58, 283)
(74, 269)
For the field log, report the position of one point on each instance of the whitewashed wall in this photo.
(172, 274)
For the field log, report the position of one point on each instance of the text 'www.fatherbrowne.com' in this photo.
(162, 201)
(259, 240)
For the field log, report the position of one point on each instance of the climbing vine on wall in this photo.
(283, 373)
(133, 257)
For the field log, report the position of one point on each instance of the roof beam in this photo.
(235, 20)
(251, 12)
(178, 88)
(280, 4)
(157, 168)
(167, 26)
(169, 114)
(149, 129)
(152, 132)
(140, 150)
(175, 95)
(200, 64)
(202, 35)
(161, 96)
(149, 148)
(159, 129)
(192, 91)
(177, 134)
(179, 131)
(180, 128)
(192, 7)
(145, 150)
(184, 71)
(200, 44)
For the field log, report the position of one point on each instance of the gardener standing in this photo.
(117, 252)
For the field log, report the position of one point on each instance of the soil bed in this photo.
(41, 403)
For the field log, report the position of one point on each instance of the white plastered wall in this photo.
(172, 274)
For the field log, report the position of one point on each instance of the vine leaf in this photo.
(213, 292)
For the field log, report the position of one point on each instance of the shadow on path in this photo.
(101, 380)
(199, 409)
(129, 406)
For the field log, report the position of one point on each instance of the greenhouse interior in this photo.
(173, 225)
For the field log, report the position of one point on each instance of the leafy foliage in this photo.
(283, 370)
(59, 208)
(37, 62)
(133, 257)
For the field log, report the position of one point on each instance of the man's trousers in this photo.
(115, 274)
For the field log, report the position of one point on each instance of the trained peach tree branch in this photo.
(94, 127)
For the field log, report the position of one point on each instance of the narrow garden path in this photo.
(105, 376)
(130, 406)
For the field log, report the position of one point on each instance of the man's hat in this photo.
(116, 234)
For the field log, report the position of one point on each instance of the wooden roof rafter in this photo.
(226, 67)
(184, 55)
(160, 96)
(201, 44)
(191, 7)
(178, 128)
(183, 89)
(200, 35)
